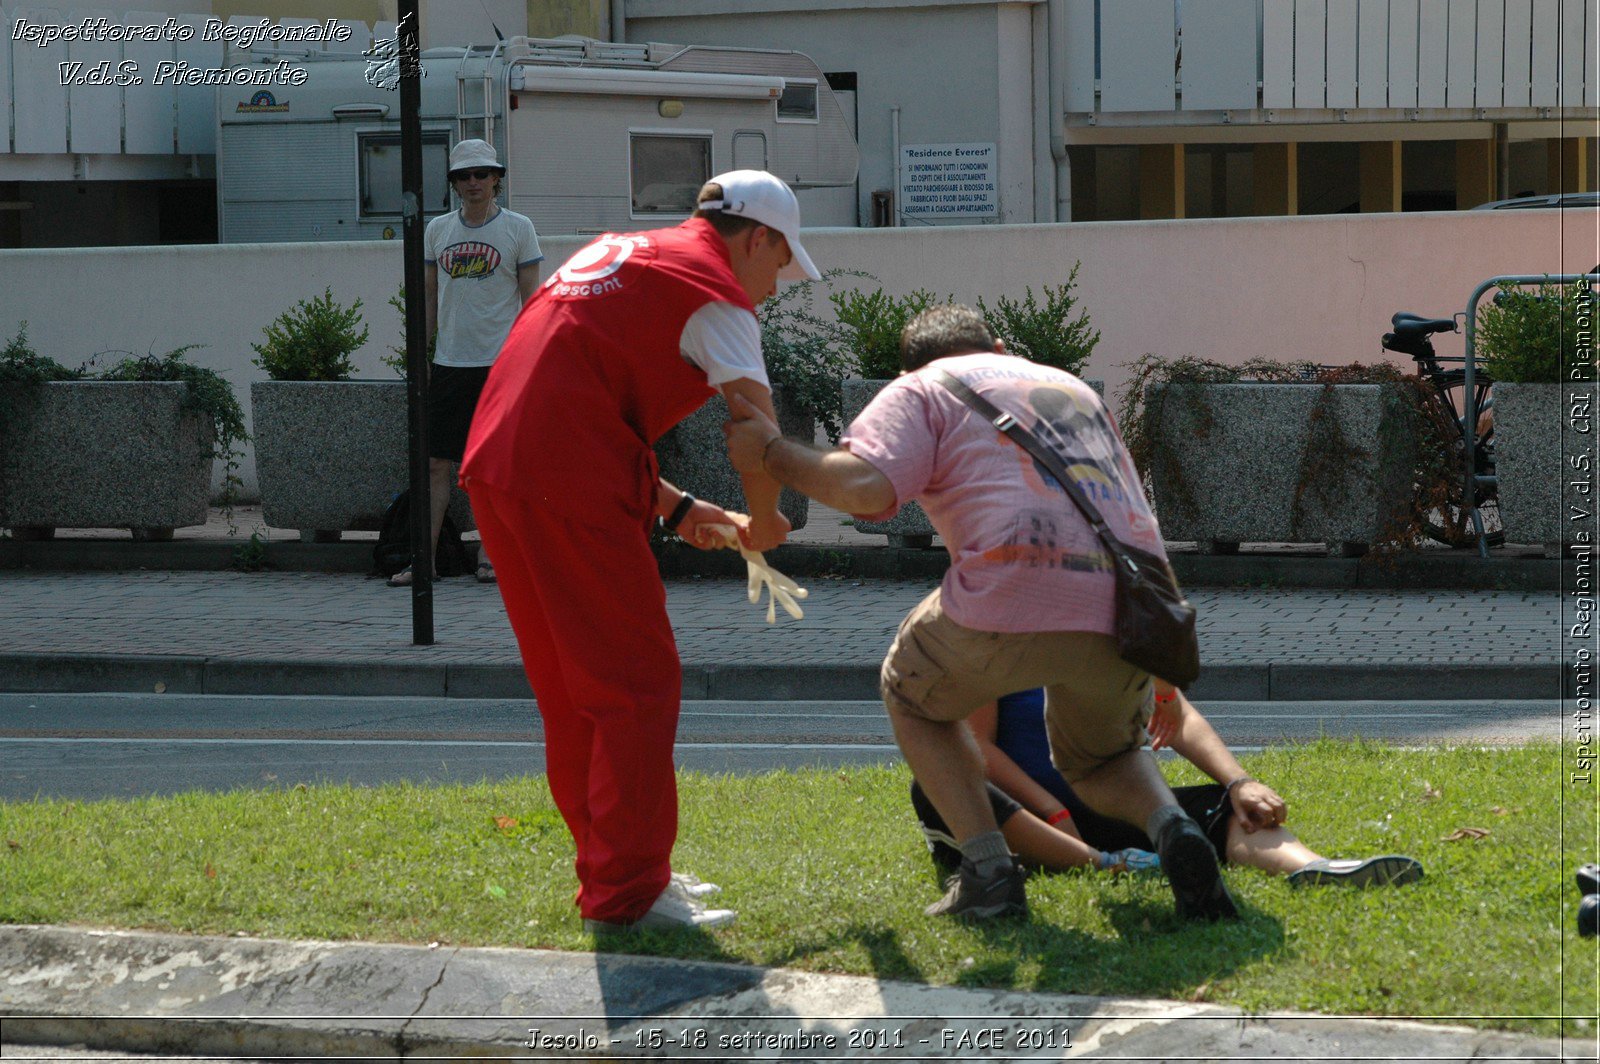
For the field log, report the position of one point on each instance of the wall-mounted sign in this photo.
(948, 181)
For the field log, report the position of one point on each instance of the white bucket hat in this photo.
(474, 154)
(761, 197)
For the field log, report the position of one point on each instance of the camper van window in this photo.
(798, 102)
(380, 174)
(667, 171)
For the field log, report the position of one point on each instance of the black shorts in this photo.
(452, 399)
(1203, 803)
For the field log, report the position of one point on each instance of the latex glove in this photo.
(1130, 860)
(782, 590)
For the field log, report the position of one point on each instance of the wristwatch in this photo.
(679, 512)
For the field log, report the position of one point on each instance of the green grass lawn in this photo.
(829, 873)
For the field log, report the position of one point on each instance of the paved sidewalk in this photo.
(266, 633)
(195, 995)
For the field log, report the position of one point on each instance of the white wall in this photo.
(1229, 289)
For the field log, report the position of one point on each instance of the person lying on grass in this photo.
(1048, 826)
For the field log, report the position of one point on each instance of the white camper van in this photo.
(597, 137)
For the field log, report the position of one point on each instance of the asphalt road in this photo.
(88, 746)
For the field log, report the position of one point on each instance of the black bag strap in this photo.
(1013, 428)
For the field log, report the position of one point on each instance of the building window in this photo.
(798, 102)
(380, 174)
(667, 171)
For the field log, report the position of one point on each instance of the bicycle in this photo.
(1450, 523)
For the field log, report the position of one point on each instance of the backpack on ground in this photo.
(392, 552)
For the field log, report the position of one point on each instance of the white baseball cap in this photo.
(473, 154)
(764, 198)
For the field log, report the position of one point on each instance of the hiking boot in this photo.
(674, 909)
(1390, 870)
(1192, 872)
(970, 897)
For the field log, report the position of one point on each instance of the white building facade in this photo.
(1115, 109)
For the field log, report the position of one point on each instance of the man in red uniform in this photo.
(625, 340)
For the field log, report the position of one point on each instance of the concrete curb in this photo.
(1423, 569)
(149, 992)
(175, 674)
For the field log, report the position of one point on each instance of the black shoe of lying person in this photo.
(1191, 867)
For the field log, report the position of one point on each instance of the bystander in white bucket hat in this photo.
(474, 154)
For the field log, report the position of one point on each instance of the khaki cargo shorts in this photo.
(1096, 704)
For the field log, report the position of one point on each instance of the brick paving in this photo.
(335, 618)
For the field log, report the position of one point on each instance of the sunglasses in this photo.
(476, 175)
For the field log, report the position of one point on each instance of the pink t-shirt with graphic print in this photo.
(1023, 558)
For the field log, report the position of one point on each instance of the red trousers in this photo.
(590, 615)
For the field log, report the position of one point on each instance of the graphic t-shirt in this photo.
(1022, 556)
(478, 294)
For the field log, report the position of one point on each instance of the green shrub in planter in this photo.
(313, 341)
(1532, 343)
(1050, 334)
(396, 358)
(1275, 451)
(1530, 336)
(21, 364)
(108, 456)
(330, 451)
(807, 356)
(209, 394)
(871, 323)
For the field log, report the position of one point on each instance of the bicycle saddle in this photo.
(1415, 324)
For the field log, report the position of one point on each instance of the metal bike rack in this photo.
(1469, 396)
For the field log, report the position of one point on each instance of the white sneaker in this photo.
(693, 885)
(675, 908)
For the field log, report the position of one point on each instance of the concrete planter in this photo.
(1237, 463)
(693, 455)
(1540, 430)
(104, 454)
(332, 455)
(910, 526)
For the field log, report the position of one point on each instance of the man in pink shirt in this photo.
(1027, 602)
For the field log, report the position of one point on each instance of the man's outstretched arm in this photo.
(833, 477)
(1194, 739)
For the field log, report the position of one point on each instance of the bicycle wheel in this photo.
(1448, 520)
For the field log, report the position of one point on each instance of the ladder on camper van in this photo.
(485, 80)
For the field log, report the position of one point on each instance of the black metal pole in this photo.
(416, 324)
